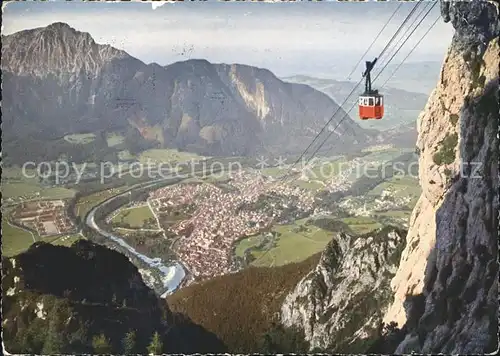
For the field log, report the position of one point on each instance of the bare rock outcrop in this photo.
(55, 49)
(444, 296)
(339, 305)
(449, 266)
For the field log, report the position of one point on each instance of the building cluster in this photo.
(208, 234)
(341, 182)
(352, 171)
(46, 217)
(387, 201)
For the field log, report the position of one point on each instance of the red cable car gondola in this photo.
(371, 103)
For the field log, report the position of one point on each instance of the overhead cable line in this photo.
(407, 38)
(403, 35)
(352, 91)
(409, 53)
(392, 57)
(397, 44)
(373, 42)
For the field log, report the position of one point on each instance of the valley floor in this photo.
(221, 224)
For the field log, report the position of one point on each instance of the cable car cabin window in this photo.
(370, 101)
(377, 101)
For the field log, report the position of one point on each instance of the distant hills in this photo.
(415, 77)
(57, 81)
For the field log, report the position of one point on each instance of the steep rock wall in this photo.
(339, 305)
(449, 265)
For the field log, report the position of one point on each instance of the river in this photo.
(172, 274)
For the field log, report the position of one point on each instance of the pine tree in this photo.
(101, 344)
(54, 343)
(156, 345)
(129, 343)
(55, 340)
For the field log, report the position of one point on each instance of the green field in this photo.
(80, 139)
(291, 246)
(402, 186)
(295, 246)
(386, 155)
(86, 203)
(379, 148)
(14, 239)
(16, 173)
(67, 240)
(26, 191)
(327, 169)
(311, 185)
(17, 186)
(274, 172)
(248, 242)
(166, 155)
(214, 178)
(135, 217)
(125, 155)
(398, 214)
(114, 139)
(361, 224)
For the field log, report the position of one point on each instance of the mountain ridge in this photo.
(340, 303)
(47, 39)
(193, 105)
(57, 300)
(444, 291)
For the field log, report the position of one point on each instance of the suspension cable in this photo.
(407, 38)
(349, 95)
(373, 42)
(409, 53)
(346, 115)
(401, 38)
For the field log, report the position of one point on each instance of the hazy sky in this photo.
(323, 39)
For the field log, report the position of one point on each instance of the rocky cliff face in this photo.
(57, 80)
(62, 50)
(339, 305)
(449, 266)
(56, 300)
(444, 294)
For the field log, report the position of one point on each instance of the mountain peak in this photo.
(57, 48)
(211, 109)
(59, 25)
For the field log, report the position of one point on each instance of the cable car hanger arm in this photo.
(366, 74)
(369, 66)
